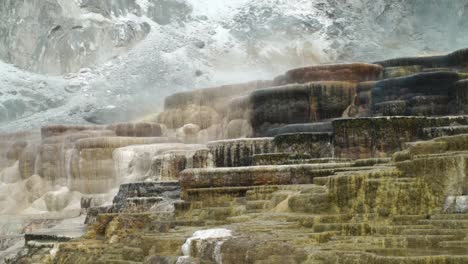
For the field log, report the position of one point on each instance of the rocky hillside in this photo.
(108, 57)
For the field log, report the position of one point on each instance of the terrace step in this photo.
(435, 132)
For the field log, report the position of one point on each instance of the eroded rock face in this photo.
(188, 133)
(16, 149)
(239, 108)
(12, 145)
(421, 94)
(315, 145)
(138, 197)
(58, 200)
(356, 72)
(461, 96)
(148, 189)
(441, 156)
(455, 59)
(238, 128)
(212, 110)
(66, 162)
(77, 158)
(255, 176)
(54, 155)
(153, 161)
(215, 97)
(92, 165)
(378, 137)
(57, 130)
(138, 129)
(316, 127)
(168, 166)
(238, 152)
(303, 103)
(202, 116)
(10, 174)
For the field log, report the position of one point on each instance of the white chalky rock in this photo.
(216, 235)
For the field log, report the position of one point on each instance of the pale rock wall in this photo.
(211, 110)
(65, 162)
(92, 166)
(154, 161)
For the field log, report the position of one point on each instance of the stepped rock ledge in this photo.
(326, 164)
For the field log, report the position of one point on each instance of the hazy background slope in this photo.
(66, 61)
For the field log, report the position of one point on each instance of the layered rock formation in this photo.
(352, 163)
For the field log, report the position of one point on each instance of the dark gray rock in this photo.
(301, 128)
(147, 189)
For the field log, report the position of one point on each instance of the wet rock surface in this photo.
(238, 152)
(147, 189)
(353, 163)
(340, 72)
(292, 104)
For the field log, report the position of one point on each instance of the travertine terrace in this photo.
(328, 164)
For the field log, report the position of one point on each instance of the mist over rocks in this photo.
(115, 61)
